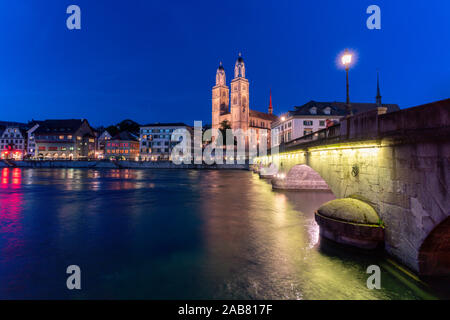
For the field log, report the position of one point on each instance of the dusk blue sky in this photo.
(155, 61)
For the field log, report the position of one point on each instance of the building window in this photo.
(307, 122)
(322, 123)
(307, 131)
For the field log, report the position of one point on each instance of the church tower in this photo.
(239, 97)
(220, 97)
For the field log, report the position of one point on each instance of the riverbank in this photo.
(116, 165)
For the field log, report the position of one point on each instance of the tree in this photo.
(128, 125)
(112, 130)
(125, 125)
(224, 126)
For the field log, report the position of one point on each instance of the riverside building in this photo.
(70, 139)
(123, 146)
(13, 142)
(155, 140)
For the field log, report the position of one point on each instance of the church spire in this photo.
(378, 97)
(270, 103)
(239, 67)
(220, 75)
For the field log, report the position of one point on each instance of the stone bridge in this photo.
(400, 163)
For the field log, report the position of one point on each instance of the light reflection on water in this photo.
(172, 234)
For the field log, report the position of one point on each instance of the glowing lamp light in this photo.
(281, 176)
(346, 59)
(283, 118)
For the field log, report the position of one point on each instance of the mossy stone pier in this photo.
(351, 222)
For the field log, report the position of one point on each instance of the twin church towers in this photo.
(239, 116)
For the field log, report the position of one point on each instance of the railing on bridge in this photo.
(331, 134)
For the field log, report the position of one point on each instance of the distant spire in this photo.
(378, 97)
(270, 103)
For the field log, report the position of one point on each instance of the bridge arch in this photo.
(301, 177)
(434, 253)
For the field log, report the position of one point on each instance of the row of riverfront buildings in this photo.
(75, 139)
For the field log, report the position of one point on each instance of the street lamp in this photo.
(346, 60)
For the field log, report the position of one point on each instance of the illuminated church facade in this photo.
(232, 104)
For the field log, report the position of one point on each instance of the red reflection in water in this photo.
(5, 175)
(11, 179)
(11, 201)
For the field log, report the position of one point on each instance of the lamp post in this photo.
(346, 60)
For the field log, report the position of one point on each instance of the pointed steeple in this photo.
(239, 67)
(220, 75)
(270, 103)
(378, 97)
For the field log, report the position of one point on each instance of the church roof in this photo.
(262, 115)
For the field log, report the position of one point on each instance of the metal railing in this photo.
(329, 134)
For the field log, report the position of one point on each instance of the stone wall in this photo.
(118, 165)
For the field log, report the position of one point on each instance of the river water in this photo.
(174, 234)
